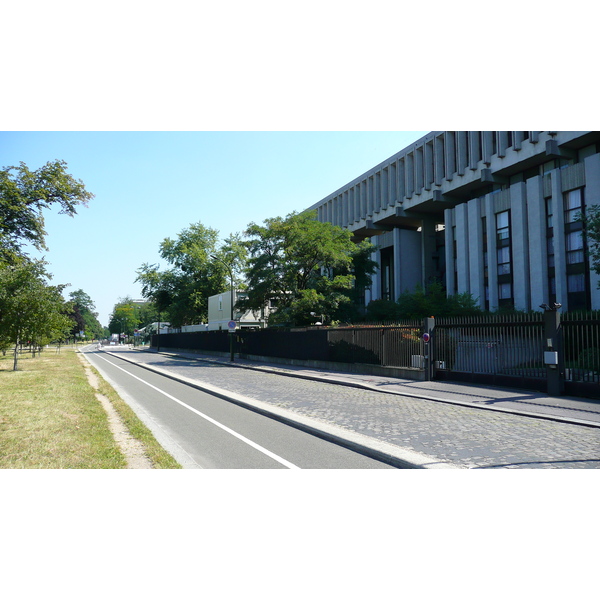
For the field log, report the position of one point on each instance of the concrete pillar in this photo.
(538, 244)
(475, 251)
(449, 247)
(491, 250)
(462, 247)
(520, 246)
(591, 195)
(427, 250)
(376, 284)
(450, 150)
(560, 258)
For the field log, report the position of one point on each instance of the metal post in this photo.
(231, 332)
(158, 335)
(428, 329)
(553, 339)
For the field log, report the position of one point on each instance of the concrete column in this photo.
(488, 146)
(401, 173)
(462, 247)
(448, 225)
(450, 150)
(520, 246)
(397, 262)
(538, 245)
(376, 285)
(428, 159)
(461, 145)
(409, 173)
(491, 250)
(591, 195)
(427, 250)
(438, 155)
(363, 200)
(475, 251)
(393, 182)
(475, 149)
(560, 258)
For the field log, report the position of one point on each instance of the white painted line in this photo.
(258, 447)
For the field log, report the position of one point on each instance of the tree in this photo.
(31, 311)
(197, 270)
(420, 303)
(302, 265)
(124, 318)
(591, 228)
(24, 194)
(84, 316)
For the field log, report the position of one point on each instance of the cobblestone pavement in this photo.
(462, 436)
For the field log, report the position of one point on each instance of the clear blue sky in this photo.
(151, 185)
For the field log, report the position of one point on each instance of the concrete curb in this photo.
(365, 386)
(383, 451)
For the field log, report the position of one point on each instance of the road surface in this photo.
(204, 431)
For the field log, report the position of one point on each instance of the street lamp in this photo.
(229, 268)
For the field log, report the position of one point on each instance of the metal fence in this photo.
(509, 344)
(488, 349)
(581, 348)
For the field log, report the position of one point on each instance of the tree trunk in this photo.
(16, 356)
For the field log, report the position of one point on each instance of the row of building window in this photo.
(577, 275)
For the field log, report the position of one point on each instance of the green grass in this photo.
(50, 417)
(160, 458)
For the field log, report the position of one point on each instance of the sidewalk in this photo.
(569, 409)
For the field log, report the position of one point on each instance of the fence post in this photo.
(553, 355)
(428, 337)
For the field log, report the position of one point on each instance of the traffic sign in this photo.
(232, 325)
(426, 337)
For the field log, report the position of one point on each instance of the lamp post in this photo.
(229, 268)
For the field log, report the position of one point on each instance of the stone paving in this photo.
(463, 436)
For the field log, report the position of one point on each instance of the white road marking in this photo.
(274, 456)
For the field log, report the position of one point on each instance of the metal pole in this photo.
(158, 335)
(231, 332)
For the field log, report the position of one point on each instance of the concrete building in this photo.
(492, 213)
(219, 313)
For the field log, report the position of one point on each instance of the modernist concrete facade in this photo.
(492, 213)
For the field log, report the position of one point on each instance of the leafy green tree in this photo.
(197, 270)
(591, 227)
(24, 194)
(31, 310)
(124, 318)
(302, 265)
(84, 316)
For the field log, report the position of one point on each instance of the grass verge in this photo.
(50, 417)
(160, 458)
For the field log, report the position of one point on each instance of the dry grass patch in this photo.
(50, 417)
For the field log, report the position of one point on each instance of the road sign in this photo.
(232, 325)
(426, 337)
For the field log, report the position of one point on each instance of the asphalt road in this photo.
(203, 431)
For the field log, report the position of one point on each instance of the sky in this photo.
(149, 186)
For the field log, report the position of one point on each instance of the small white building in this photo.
(219, 312)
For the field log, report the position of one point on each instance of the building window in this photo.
(502, 226)
(574, 243)
(503, 258)
(573, 205)
(578, 284)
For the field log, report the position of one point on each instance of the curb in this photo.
(382, 451)
(365, 386)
